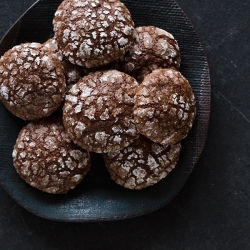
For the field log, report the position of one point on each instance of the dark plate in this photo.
(98, 197)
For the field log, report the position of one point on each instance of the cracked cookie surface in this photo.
(47, 159)
(98, 111)
(152, 48)
(32, 81)
(164, 108)
(92, 33)
(72, 72)
(142, 164)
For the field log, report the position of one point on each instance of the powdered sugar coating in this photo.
(46, 158)
(52, 45)
(98, 111)
(152, 48)
(32, 81)
(92, 33)
(164, 106)
(142, 164)
(72, 72)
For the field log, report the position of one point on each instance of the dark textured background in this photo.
(213, 209)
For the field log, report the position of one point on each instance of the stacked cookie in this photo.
(120, 91)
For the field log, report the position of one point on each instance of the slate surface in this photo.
(213, 209)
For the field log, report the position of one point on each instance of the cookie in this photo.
(142, 164)
(152, 48)
(46, 158)
(32, 81)
(72, 72)
(98, 111)
(164, 108)
(93, 33)
(52, 45)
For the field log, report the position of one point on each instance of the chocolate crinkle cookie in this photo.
(32, 81)
(46, 158)
(52, 45)
(152, 48)
(164, 106)
(98, 111)
(92, 33)
(142, 164)
(72, 72)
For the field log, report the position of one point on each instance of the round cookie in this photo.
(32, 81)
(72, 72)
(52, 45)
(152, 48)
(164, 108)
(98, 111)
(46, 158)
(142, 164)
(93, 33)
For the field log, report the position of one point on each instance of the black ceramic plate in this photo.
(98, 197)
